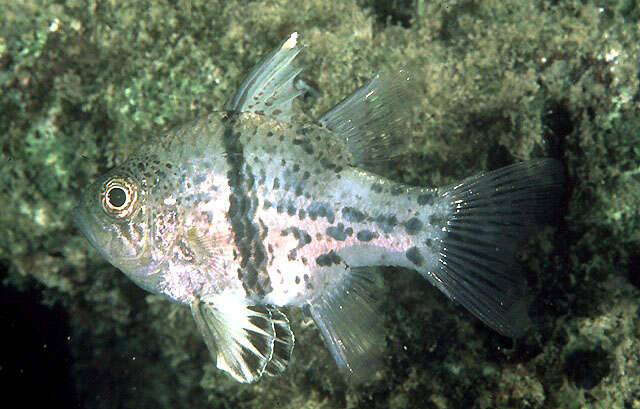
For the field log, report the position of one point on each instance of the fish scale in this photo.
(250, 209)
(293, 193)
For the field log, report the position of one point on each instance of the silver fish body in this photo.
(244, 211)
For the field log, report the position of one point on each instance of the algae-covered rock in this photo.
(83, 82)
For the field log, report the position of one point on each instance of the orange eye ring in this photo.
(119, 197)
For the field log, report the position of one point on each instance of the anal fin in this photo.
(350, 324)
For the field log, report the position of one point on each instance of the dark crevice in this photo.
(35, 367)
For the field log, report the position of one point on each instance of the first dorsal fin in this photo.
(270, 87)
(373, 120)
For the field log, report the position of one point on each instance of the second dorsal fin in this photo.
(373, 120)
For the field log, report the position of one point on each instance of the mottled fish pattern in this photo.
(250, 209)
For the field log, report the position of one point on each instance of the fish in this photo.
(248, 211)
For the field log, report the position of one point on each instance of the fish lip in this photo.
(80, 220)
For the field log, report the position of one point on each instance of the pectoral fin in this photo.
(242, 339)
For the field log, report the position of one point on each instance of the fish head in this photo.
(115, 217)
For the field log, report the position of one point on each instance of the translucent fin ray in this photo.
(270, 86)
(373, 119)
(283, 343)
(239, 337)
(490, 215)
(350, 325)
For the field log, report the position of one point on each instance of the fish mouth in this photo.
(82, 223)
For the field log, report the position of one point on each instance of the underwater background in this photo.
(83, 82)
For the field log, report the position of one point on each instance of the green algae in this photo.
(82, 83)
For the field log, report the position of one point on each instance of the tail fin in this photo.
(490, 215)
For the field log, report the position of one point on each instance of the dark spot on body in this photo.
(328, 259)
(413, 226)
(336, 232)
(327, 164)
(292, 255)
(397, 190)
(321, 209)
(386, 222)
(436, 220)
(425, 198)
(302, 131)
(276, 183)
(308, 148)
(304, 144)
(291, 210)
(376, 187)
(414, 256)
(258, 253)
(296, 168)
(297, 279)
(352, 215)
(428, 242)
(366, 235)
(267, 204)
(264, 229)
(302, 214)
(303, 237)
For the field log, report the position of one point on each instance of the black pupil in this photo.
(116, 197)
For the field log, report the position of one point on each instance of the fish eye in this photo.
(119, 197)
